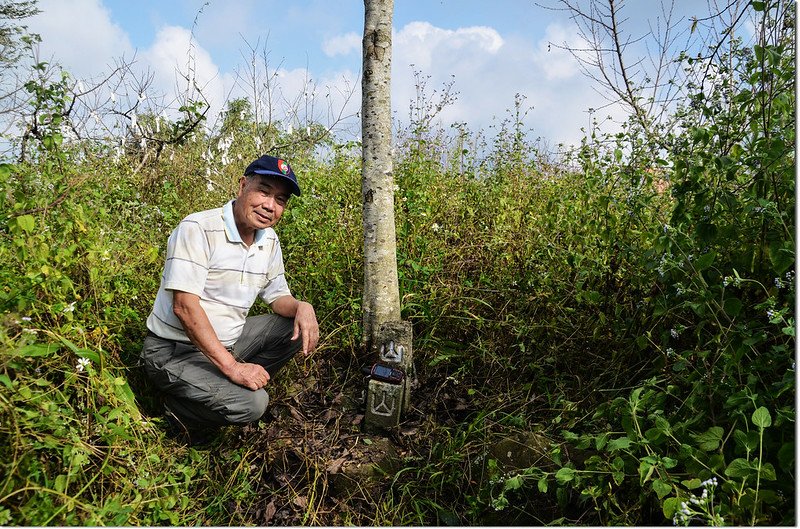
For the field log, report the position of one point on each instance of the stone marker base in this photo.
(384, 404)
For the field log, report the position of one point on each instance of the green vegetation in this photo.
(631, 307)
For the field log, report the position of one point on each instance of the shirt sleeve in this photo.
(186, 266)
(276, 278)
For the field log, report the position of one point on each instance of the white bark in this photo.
(381, 290)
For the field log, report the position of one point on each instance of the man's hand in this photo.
(251, 376)
(305, 325)
(199, 330)
(305, 320)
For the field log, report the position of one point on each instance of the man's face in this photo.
(261, 202)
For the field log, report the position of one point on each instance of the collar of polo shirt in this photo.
(233, 232)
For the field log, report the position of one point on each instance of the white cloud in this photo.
(489, 71)
(342, 44)
(177, 63)
(419, 43)
(80, 35)
(551, 56)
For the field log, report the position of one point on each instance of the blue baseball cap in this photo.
(269, 165)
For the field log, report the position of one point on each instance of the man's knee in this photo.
(248, 408)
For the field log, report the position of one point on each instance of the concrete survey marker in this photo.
(387, 402)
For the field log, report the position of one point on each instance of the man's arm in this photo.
(305, 320)
(198, 328)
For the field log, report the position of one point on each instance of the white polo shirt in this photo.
(206, 256)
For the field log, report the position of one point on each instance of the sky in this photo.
(490, 50)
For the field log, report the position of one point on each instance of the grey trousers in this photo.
(196, 390)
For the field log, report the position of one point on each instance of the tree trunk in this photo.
(381, 290)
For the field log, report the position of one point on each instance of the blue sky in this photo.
(490, 49)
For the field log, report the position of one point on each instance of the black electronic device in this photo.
(386, 373)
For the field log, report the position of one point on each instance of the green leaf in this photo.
(768, 496)
(27, 223)
(661, 488)
(565, 475)
(645, 472)
(37, 349)
(748, 441)
(781, 256)
(669, 463)
(762, 418)
(542, 485)
(654, 435)
(705, 260)
(692, 484)
(6, 170)
(786, 455)
(81, 353)
(739, 468)
(619, 444)
(768, 472)
(513, 483)
(60, 483)
(732, 307)
(669, 507)
(710, 439)
(662, 424)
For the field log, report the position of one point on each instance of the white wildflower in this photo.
(69, 308)
(436, 227)
(82, 364)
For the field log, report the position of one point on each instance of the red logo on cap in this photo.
(283, 166)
